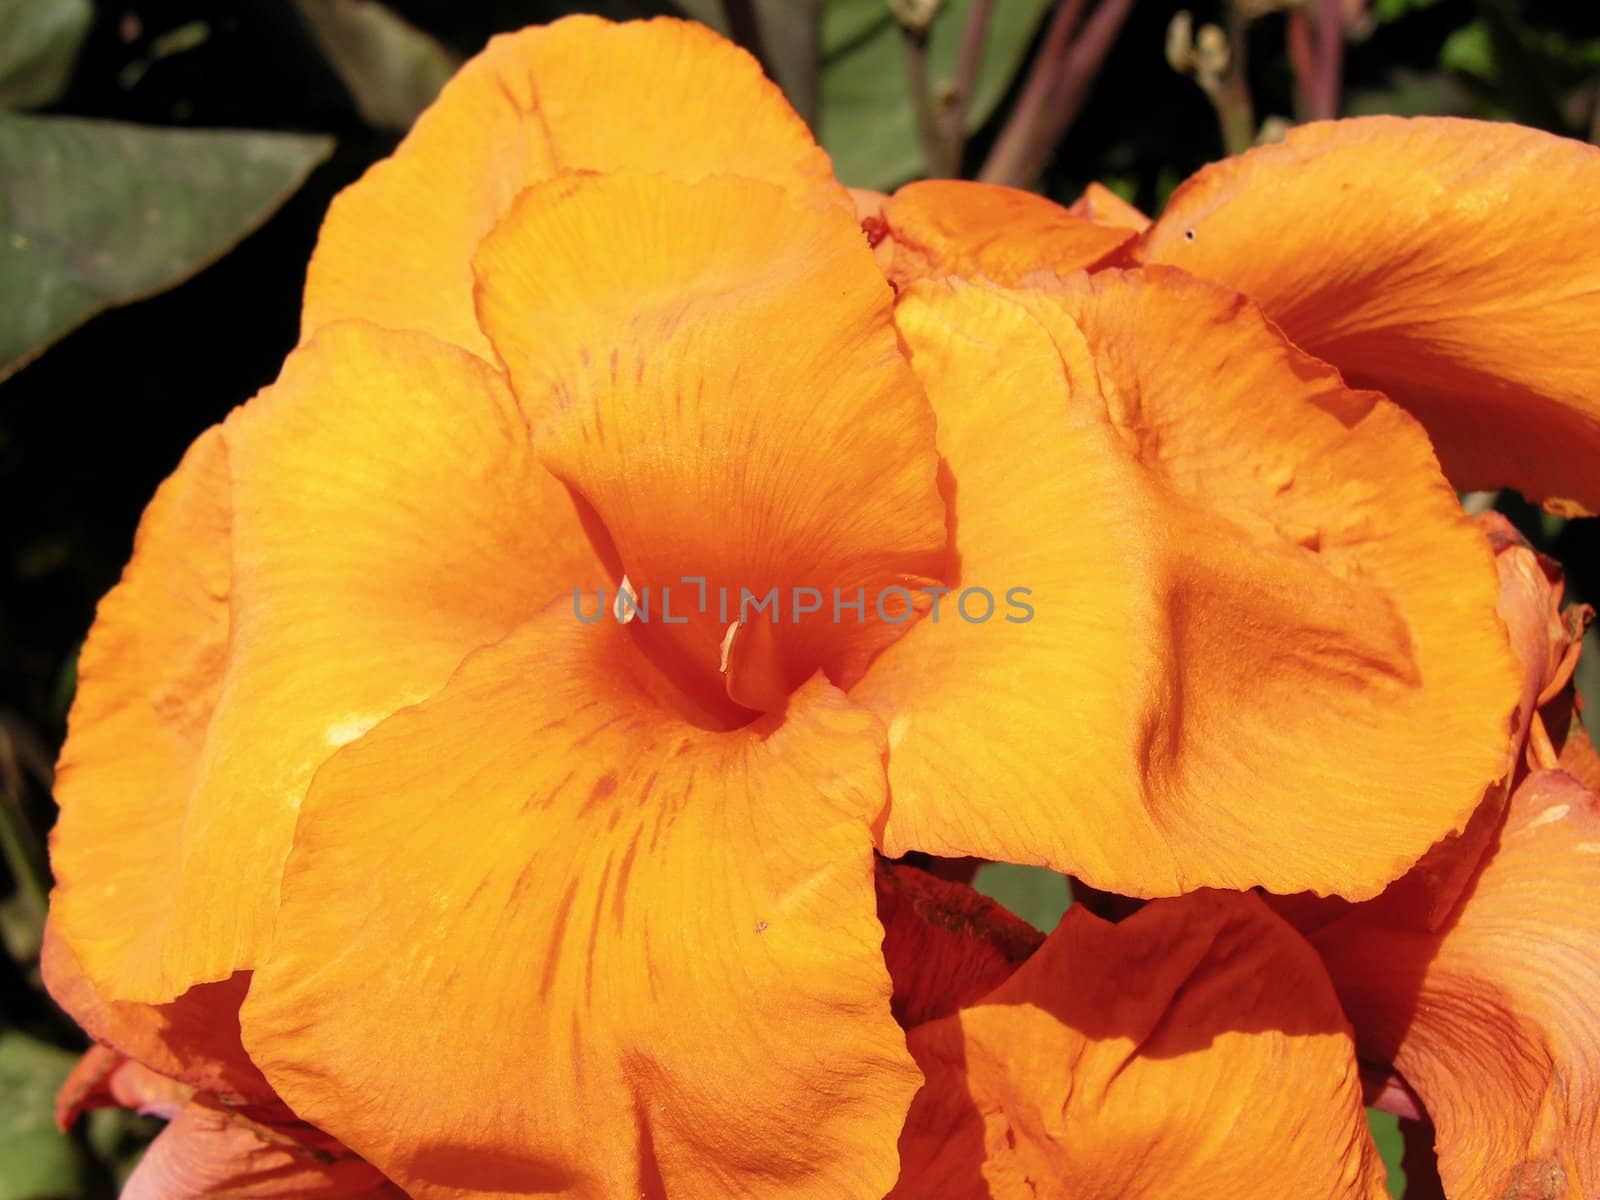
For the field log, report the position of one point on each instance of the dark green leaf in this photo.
(392, 69)
(1037, 895)
(36, 1162)
(867, 120)
(96, 213)
(39, 42)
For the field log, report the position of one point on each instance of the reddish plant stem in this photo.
(953, 140)
(1330, 59)
(1303, 59)
(1057, 84)
(1316, 51)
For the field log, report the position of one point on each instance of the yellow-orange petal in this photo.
(714, 369)
(1104, 207)
(540, 935)
(1492, 1021)
(148, 681)
(946, 945)
(1449, 263)
(939, 227)
(193, 1040)
(1248, 591)
(209, 1153)
(388, 517)
(1194, 1050)
(581, 94)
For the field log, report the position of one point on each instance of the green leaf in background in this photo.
(1392, 10)
(392, 69)
(36, 1162)
(1385, 1130)
(1037, 895)
(39, 42)
(98, 213)
(867, 118)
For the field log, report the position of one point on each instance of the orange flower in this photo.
(1471, 980)
(1448, 263)
(529, 902)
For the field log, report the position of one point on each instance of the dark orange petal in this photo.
(946, 945)
(389, 516)
(193, 1040)
(941, 227)
(105, 1078)
(209, 1154)
(1450, 263)
(579, 95)
(1250, 591)
(540, 935)
(714, 369)
(1492, 1020)
(1195, 1049)
(1104, 207)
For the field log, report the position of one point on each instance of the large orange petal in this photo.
(148, 680)
(389, 516)
(1195, 1050)
(1250, 591)
(941, 227)
(581, 94)
(714, 369)
(539, 935)
(1450, 263)
(209, 1154)
(1492, 1021)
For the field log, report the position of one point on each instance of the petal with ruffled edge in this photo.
(194, 1039)
(1247, 590)
(1195, 1050)
(714, 369)
(1492, 1021)
(581, 94)
(1451, 264)
(388, 517)
(541, 935)
(941, 227)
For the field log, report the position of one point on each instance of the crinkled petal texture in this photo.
(1451, 264)
(941, 227)
(713, 368)
(541, 935)
(207, 1153)
(1493, 1019)
(331, 554)
(581, 94)
(1194, 1051)
(1250, 591)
